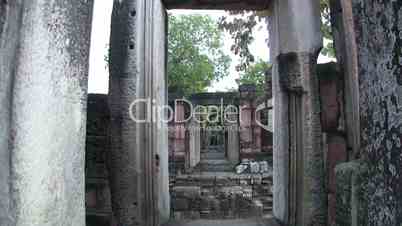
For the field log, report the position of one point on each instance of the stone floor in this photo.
(240, 222)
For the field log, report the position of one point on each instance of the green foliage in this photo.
(195, 55)
(326, 29)
(256, 74)
(241, 29)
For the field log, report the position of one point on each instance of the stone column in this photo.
(10, 16)
(194, 152)
(139, 156)
(48, 111)
(247, 110)
(233, 142)
(124, 157)
(299, 174)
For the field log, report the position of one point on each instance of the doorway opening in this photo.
(97, 189)
(220, 138)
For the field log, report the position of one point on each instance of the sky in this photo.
(98, 71)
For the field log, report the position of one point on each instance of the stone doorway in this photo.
(138, 44)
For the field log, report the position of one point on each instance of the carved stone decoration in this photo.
(306, 188)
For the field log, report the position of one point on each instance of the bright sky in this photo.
(98, 72)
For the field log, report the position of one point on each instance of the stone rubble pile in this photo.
(247, 166)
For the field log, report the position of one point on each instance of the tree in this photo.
(256, 74)
(195, 55)
(242, 26)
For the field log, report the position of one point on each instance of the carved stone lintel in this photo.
(291, 68)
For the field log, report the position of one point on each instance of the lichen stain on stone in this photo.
(379, 41)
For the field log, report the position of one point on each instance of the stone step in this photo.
(215, 166)
(239, 222)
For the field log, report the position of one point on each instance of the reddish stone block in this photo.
(331, 210)
(90, 199)
(337, 153)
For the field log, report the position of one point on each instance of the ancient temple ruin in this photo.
(336, 128)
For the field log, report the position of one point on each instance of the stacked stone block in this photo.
(221, 196)
(332, 120)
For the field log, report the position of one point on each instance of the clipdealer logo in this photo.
(139, 112)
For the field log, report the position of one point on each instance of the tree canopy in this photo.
(242, 26)
(195, 54)
(255, 74)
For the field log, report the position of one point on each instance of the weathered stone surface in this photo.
(194, 148)
(49, 113)
(351, 194)
(221, 196)
(10, 17)
(233, 143)
(330, 87)
(242, 222)
(344, 173)
(295, 39)
(337, 153)
(139, 163)
(123, 84)
(378, 38)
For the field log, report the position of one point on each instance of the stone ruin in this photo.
(336, 142)
(204, 182)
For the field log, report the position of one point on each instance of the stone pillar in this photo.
(299, 194)
(246, 112)
(10, 16)
(233, 142)
(48, 111)
(345, 49)
(332, 120)
(125, 157)
(139, 156)
(179, 131)
(194, 152)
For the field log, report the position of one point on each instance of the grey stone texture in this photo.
(125, 158)
(299, 194)
(10, 17)
(351, 190)
(46, 135)
(378, 39)
(139, 153)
